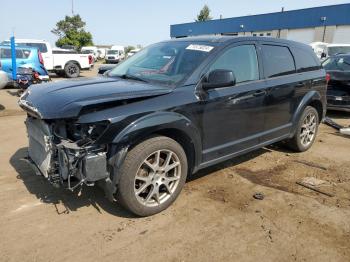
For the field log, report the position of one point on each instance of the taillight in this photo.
(90, 59)
(41, 60)
(328, 78)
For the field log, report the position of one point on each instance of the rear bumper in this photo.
(339, 103)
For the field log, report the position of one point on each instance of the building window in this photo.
(254, 34)
(268, 34)
(261, 34)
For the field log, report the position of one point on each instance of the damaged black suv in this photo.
(174, 108)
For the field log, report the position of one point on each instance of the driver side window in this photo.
(241, 60)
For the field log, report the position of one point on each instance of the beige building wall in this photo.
(284, 33)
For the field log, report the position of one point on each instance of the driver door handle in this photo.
(259, 93)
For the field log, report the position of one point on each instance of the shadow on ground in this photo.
(64, 200)
(94, 196)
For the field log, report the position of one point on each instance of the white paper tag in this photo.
(338, 98)
(203, 48)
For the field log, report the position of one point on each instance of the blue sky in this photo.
(128, 22)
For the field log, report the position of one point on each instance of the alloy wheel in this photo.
(157, 178)
(308, 129)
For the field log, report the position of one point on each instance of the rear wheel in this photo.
(152, 176)
(306, 131)
(72, 70)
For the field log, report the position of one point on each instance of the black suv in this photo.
(174, 108)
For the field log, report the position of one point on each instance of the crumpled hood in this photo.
(66, 98)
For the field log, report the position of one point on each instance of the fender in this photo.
(159, 121)
(308, 98)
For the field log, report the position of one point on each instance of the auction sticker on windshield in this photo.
(203, 48)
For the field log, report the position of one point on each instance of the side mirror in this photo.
(219, 78)
(323, 55)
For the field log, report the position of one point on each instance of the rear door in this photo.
(233, 117)
(283, 90)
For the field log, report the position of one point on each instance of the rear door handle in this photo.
(259, 93)
(301, 84)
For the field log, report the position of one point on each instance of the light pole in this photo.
(324, 19)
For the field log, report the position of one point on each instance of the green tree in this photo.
(128, 49)
(71, 31)
(204, 14)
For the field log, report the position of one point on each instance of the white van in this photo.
(93, 50)
(115, 54)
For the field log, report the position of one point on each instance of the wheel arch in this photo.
(169, 124)
(72, 61)
(312, 98)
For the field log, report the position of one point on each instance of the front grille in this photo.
(40, 146)
(110, 57)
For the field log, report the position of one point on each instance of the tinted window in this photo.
(305, 61)
(242, 60)
(337, 63)
(278, 61)
(5, 53)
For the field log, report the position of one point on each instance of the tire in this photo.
(72, 70)
(149, 179)
(301, 143)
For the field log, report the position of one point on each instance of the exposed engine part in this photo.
(63, 161)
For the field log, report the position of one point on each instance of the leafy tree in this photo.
(204, 14)
(128, 49)
(70, 31)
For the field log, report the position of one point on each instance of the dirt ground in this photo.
(215, 218)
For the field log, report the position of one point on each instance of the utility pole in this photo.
(72, 7)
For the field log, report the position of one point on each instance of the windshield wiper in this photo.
(133, 77)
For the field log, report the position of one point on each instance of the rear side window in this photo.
(5, 53)
(242, 60)
(41, 46)
(278, 61)
(305, 61)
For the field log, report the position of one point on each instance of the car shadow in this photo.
(64, 200)
(338, 114)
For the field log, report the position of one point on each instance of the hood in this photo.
(65, 99)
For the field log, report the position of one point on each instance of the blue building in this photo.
(329, 24)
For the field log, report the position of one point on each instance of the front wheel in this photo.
(152, 176)
(306, 130)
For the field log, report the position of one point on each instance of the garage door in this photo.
(342, 35)
(305, 35)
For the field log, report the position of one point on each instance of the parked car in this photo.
(3, 79)
(115, 54)
(338, 91)
(334, 49)
(105, 68)
(26, 57)
(132, 52)
(61, 62)
(172, 109)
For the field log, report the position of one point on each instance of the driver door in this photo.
(233, 118)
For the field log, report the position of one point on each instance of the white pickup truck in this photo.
(60, 61)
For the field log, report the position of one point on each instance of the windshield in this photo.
(112, 52)
(333, 50)
(164, 63)
(337, 63)
(87, 51)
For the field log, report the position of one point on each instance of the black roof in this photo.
(232, 39)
